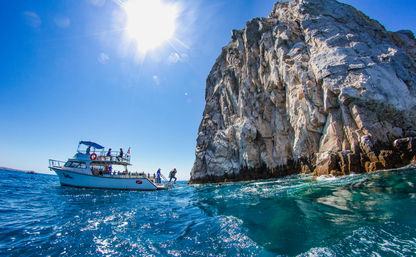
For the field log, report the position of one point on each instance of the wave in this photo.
(387, 239)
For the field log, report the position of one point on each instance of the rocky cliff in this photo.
(315, 87)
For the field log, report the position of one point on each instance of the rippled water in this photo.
(372, 214)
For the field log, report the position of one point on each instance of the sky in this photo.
(72, 70)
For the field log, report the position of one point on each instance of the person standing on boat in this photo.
(120, 156)
(158, 174)
(88, 150)
(109, 153)
(172, 174)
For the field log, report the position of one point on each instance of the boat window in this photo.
(83, 166)
(68, 164)
(75, 164)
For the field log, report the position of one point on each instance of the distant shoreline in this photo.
(25, 171)
(11, 169)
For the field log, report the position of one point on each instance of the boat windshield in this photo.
(75, 164)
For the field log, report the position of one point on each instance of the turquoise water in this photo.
(367, 215)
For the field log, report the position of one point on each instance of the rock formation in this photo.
(315, 87)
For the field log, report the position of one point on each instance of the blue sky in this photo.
(67, 73)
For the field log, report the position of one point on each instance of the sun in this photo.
(150, 23)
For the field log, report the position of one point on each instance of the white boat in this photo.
(95, 167)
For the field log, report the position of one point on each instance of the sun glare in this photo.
(150, 23)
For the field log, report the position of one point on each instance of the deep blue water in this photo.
(360, 215)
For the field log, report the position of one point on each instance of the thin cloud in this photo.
(32, 19)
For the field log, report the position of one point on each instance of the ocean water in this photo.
(359, 215)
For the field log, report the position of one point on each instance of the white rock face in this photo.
(315, 87)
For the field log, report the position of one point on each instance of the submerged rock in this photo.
(315, 87)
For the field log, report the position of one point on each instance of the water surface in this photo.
(371, 214)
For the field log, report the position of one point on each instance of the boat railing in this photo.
(164, 178)
(125, 158)
(104, 156)
(158, 180)
(56, 163)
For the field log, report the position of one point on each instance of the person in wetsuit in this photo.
(172, 174)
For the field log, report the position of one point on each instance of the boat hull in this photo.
(74, 179)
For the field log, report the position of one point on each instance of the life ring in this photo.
(93, 157)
